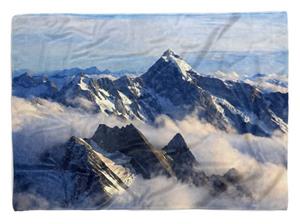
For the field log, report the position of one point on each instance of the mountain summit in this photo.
(169, 64)
(177, 142)
(169, 53)
(169, 87)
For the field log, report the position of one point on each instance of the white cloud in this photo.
(261, 160)
(159, 193)
(41, 124)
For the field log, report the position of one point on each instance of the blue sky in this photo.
(133, 42)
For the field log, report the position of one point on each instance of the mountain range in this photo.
(170, 87)
(88, 173)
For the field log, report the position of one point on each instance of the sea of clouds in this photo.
(40, 124)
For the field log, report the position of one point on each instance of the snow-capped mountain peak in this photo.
(170, 87)
(170, 68)
(169, 53)
(183, 67)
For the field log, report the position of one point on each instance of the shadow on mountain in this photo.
(88, 173)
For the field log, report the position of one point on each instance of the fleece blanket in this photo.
(150, 111)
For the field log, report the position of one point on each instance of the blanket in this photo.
(150, 111)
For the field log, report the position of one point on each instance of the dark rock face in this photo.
(86, 173)
(188, 170)
(175, 159)
(278, 103)
(145, 159)
(166, 79)
(183, 160)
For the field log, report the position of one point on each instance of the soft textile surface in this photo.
(150, 111)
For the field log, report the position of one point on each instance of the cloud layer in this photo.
(40, 124)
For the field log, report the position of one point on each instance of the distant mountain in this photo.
(90, 71)
(171, 87)
(65, 72)
(264, 82)
(269, 82)
(88, 173)
(28, 86)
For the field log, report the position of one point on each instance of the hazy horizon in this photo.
(43, 43)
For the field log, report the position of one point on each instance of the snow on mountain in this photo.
(172, 87)
(145, 158)
(79, 176)
(246, 106)
(264, 82)
(226, 75)
(170, 56)
(269, 82)
(88, 173)
(70, 176)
